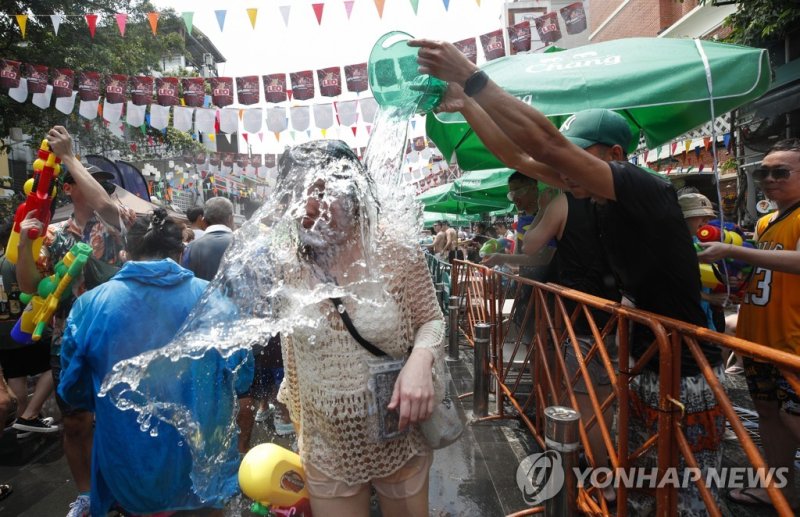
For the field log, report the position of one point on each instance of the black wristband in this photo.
(475, 83)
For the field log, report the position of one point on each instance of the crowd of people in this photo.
(579, 202)
(607, 200)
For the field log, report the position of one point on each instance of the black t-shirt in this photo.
(581, 262)
(651, 253)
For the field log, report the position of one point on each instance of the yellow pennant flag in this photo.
(211, 137)
(687, 145)
(252, 12)
(22, 21)
(324, 132)
(479, 2)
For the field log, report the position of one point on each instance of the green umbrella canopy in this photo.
(430, 218)
(473, 193)
(658, 84)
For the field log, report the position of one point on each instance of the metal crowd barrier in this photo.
(530, 375)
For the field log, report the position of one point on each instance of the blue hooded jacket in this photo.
(141, 309)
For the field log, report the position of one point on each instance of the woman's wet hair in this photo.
(319, 153)
(155, 236)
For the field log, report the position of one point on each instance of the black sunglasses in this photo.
(777, 173)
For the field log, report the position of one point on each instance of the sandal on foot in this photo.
(746, 496)
(5, 491)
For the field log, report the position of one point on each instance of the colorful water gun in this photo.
(274, 478)
(49, 293)
(40, 191)
(728, 274)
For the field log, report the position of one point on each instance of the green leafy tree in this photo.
(759, 22)
(139, 52)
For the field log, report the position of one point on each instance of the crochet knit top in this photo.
(326, 370)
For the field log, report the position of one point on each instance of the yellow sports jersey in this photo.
(770, 312)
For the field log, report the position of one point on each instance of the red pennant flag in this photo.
(674, 146)
(354, 129)
(289, 93)
(244, 135)
(707, 142)
(318, 11)
(369, 130)
(91, 20)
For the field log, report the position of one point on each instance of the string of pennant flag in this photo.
(573, 14)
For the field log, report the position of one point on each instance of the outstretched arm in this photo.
(526, 127)
(495, 140)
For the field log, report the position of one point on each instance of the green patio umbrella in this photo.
(659, 84)
(429, 218)
(474, 193)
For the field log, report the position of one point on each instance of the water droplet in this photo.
(340, 308)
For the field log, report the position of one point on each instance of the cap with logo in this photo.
(696, 205)
(598, 126)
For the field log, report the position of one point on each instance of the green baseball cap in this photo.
(597, 126)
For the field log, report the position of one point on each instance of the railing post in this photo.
(439, 293)
(452, 343)
(480, 391)
(561, 435)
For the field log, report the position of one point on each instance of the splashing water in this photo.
(322, 233)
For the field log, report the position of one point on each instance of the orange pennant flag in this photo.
(22, 21)
(277, 135)
(252, 12)
(379, 6)
(153, 19)
(241, 114)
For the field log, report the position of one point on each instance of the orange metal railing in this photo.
(531, 374)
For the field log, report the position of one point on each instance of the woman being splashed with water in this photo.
(140, 467)
(356, 419)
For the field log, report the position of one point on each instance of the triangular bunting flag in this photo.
(446, 4)
(261, 136)
(308, 133)
(187, 20)
(122, 20)
(285, 13)
(413, 124)
(277, 135)
(246, 140)
(318, 11)
(369, 130)
(252, 12)
(348, 7)
(291, 134)
(324, 132)
(56, 20)
(289, 94)
(415, 6)
(221, 18)
(22, 21)
(91, 20)
(152, 17)
(354, 129)
(478, 2)
(379, 6)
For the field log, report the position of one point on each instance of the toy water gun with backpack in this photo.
(40, 190)
(51, 291)
(728, 274)
(273, 477)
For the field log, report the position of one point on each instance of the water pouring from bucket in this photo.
(394, 75)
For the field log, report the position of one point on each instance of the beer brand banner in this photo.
(356, 77)
(256, 160)
(275, 87)
(330, 81)
(89, 86)
(227, 159)
(493, 44)
(167, 91)
(302, 85)
(270, 161)
(116, 88)
(547, 27)
(419, 143)
(62, 82)
(188, 156)
(242, 160)
(468, 47)
(37, 78)
(519, 37)
(222, 91)
(200, 158)
(9, 73)
(214, 159)
(141, 90)
(574, 17)
(247, 89)
(194, 91)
